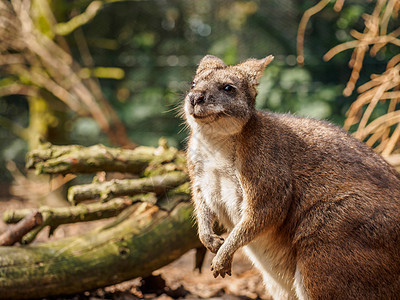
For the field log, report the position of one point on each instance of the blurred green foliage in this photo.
(156, 45)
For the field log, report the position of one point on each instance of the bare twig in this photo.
(15, 234)
(302, 28)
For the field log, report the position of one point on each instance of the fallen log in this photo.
(132, 247)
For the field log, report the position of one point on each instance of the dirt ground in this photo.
(177, 280)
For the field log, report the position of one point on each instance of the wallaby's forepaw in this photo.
(212, 242)
(221, 265)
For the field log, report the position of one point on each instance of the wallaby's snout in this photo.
(196, 98)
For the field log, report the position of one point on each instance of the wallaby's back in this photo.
(344, 219)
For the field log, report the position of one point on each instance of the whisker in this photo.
(184, 127)
(173, 109)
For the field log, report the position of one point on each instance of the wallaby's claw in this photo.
(221, 266)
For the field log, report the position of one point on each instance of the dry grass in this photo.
(383, 133)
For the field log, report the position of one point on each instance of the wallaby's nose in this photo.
(197, 98)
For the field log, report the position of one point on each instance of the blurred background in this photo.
(115, 72)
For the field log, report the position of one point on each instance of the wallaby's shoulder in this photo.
(311, 132)
(303, 126)
(297, 131)
(308, 141)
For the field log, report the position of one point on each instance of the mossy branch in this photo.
(55, 217)
(72, 214)
(50, 159)
(126, 187)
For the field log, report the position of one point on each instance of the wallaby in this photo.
(317, 211)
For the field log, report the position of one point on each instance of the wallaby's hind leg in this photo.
(275, 289)
(278, 290)
(299, 285)
(351, 272)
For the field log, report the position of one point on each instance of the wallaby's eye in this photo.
(193, 84)
(228, 88)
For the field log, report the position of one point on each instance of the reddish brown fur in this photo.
(320, 206)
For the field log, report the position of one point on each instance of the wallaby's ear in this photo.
(254, 68)
(210, 62)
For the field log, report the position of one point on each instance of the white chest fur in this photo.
(217, 177)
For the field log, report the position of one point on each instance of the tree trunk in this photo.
(126, 248)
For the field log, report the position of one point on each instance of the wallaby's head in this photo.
(222, 98)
